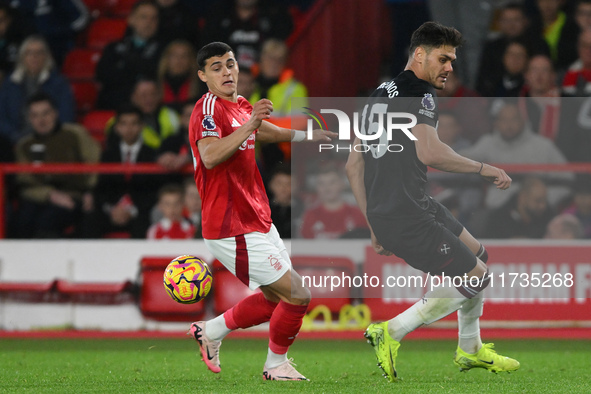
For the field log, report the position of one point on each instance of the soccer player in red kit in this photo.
(237, 225)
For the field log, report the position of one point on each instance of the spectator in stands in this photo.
(526, 215)
(332, 217)
(192, 209)
(564, 226)
(515, 60)
(49, 203)
(581, 206)
(178, 21)
(245, 25)
(177, 74)
(173, 224)
(274, 81)
(280, 200)
(577, 80)
(450, 131)
(160, 122)
(175, 151)
(557, 30)
(471, 17)
(542, 108)
(9, 42)
(246, 83)
(134, 57)
(513, 141)
(59, 21)
(123, 202)
(277, 83)
(580, 21)
(513, 25)
(470, 110)
(34, 72)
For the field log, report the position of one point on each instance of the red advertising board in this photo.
(529, 283)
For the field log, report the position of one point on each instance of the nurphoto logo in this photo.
(374, 137)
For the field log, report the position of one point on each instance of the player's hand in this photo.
(261, 110)
(378, 247)
(497, 176)
(323, 135)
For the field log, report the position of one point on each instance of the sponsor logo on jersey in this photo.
(208, 123)
(428, 102)
(248, 143)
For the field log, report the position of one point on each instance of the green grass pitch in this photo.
(173, 366)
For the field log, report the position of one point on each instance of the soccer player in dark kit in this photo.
(389, 187)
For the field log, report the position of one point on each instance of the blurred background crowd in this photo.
(115, 81)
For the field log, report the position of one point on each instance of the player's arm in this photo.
(434, 153)
(355, 168)
(268, 132)
(214, 151)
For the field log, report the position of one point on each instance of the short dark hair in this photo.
(40, 97)
(210, 50)
(432, 35)
(171, 188)
(140, 3)
(514, 5)
(126, 109)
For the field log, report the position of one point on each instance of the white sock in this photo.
(216, 329)
(274, 359)
(469, 324)
(435, 305)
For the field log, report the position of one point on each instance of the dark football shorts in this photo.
(429, 242)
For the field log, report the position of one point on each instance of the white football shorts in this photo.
(257, 259)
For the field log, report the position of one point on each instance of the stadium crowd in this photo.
(116, 81)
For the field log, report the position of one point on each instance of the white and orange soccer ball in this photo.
(187, 279)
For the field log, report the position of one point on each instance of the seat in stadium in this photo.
(96, 292)
(104, 31)
(27, 291)
(319, 267)
(227, 289)
(155, 302)
(95, 121)
(85, 93)
(80, 63)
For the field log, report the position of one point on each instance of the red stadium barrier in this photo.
(108, 168)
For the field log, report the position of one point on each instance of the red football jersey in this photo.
(167, 229)
(233, 194)
(318, 222)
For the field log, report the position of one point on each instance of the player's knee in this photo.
(302, 296)
(482, 254)
(474, 284)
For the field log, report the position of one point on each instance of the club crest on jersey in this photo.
(208, 123)
(444, 248)
(428, 102)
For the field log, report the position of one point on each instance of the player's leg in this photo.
(471, 352)
(287, 318)
(437, 251)
(469, 314)
(251, 311)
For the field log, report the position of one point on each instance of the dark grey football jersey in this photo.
(395, 179)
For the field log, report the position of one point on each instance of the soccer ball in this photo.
(187, 279)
